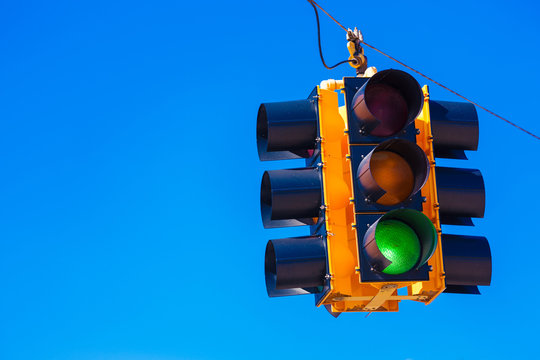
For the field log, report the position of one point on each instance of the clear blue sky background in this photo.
(129, 194)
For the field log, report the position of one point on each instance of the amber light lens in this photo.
(394, 175)
(388, 105)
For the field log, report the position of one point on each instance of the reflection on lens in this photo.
(394, 175)
(389, 107)
(399, 244)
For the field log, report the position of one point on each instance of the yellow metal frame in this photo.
(347, 292)
(430, 208)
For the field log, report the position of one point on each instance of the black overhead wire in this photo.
(319, 38)
(313, 3)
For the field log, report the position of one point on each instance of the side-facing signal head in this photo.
(290, 197)
(294, 266)
(286, 130)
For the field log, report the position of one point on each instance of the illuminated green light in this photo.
(399, 244)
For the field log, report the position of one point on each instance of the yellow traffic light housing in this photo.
(370, 195)
(347, 291)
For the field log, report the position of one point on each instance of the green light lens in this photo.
(399, 244)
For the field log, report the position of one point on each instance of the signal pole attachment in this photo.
(359, 60)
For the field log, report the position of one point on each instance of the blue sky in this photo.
(130, 225)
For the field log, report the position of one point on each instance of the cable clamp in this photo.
(358, 60)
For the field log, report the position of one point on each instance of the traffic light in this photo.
(291, 197)
(371, 194)
(461, 196)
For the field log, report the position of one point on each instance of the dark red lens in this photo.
(389, 107)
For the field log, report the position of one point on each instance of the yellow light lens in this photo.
(394, 175)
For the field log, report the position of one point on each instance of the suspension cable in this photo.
(313, 3)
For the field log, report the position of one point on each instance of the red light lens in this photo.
(389, 107)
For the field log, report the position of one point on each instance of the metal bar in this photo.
(393, 297)
(384, 293)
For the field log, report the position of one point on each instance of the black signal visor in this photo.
(461, 195)
(294, 266)
(387, 103)
(467, 262)
(290, 197)
(455, 128)
(287, 130)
